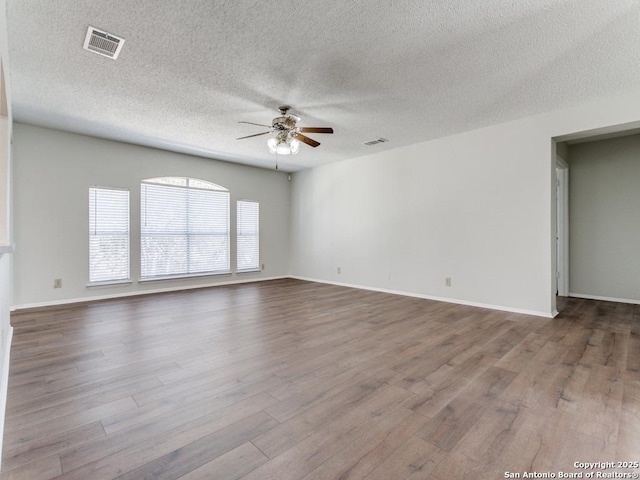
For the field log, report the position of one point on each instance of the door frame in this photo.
(562, 227)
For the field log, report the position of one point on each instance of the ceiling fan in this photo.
(288, 135)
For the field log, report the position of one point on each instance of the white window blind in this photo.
(184, 227)
(108, 235)
(248, 236)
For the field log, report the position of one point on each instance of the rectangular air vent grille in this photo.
(375, 142)
(103, 43)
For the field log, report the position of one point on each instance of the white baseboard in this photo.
(4, 380)
(342, 284)
(437, 299)
(54, 303)
(606, 299)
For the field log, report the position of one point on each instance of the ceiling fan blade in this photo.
(254, 135)
(307, 140)
(259, 124)
(316, 129)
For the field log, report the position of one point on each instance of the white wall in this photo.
(53, 172)
(478, 207)
(604, 229)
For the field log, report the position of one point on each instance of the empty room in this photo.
(319, 240)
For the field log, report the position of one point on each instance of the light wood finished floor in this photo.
(293, 380)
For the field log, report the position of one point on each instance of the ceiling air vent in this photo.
(103, 43)
(375, 142)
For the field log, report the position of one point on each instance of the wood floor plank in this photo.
(536, 447)
(370, 449)
(155, 454)
(88, 394)
(632, 364)
(44, 445)
(64, 380)
(231, 465)
(194, 455)
(447, 427)
(486, 441)
(287, 434)
(56, 424)
(438, 389)
(180, 419)
(628, 442)
(331, 438)
(413, 456)
(579, 445)
(289, 380)
(45, 468)
(293, 405)
(190, 390)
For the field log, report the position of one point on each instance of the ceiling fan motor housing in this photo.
(285, 122)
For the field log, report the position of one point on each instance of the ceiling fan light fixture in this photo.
(283, 146)
(295, 145)
(273, 145)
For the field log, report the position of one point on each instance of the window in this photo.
(248, 236)
(184, 227)
(108, 235)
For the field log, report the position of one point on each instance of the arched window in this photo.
(184, 227)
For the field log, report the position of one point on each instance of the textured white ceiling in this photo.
(406, 70)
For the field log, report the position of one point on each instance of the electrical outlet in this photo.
(57, 283)
(447, 281)
(338, 270)
(262, 267)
